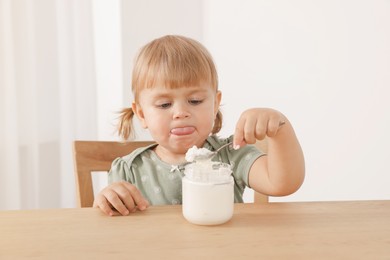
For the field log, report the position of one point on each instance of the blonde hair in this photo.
(172, 61)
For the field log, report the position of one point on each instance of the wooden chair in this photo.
(94, 156)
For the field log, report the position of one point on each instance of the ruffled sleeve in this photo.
(121, 168)
(120, 171)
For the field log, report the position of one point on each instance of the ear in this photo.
(217, 101)
(137, 109)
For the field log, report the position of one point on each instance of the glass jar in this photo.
(208, 193)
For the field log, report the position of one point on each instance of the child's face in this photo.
(178, 118)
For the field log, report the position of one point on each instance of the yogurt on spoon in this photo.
(197, 154)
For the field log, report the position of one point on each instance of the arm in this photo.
(282, 171)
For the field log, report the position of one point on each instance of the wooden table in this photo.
(313, 230)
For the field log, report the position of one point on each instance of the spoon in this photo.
(210, 154)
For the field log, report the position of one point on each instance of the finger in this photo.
(126, 196)
(274, 126)
(116, 202)
(261, 129)
(137, 197)
(103, 205)
(250, 130)
(239, 139)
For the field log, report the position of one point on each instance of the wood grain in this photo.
(311, 230)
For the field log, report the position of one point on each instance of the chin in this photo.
(183, 147)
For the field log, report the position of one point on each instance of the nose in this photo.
(181, 111)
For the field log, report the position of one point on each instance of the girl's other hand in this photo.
(257, 123)
(120, 198)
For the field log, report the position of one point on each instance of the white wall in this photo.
(143, 21)
(326, 65)
(108, 59)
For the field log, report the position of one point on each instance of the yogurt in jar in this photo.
(208, 190)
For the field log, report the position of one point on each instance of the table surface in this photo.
(305, 230)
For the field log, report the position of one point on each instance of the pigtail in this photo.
(125, 126)
(217, 123)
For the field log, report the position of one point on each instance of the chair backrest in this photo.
(95, 156)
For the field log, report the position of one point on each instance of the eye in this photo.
(164, 105)
(195, 101)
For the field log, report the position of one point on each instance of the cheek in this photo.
(155, 119)
(207, 119)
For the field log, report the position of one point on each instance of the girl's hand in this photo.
(257, 123)
(122, 197)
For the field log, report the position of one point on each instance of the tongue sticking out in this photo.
(183, 130)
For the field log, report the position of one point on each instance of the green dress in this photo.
(160, 183)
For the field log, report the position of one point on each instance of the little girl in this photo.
(176, 97)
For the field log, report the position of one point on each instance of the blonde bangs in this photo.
(173, 62)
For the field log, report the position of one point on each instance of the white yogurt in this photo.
(195, 153)
(208, 190)
(208, 203)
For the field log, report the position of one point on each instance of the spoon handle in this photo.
(223, 146)
(231, 143)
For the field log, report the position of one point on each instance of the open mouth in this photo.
(183, 130)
